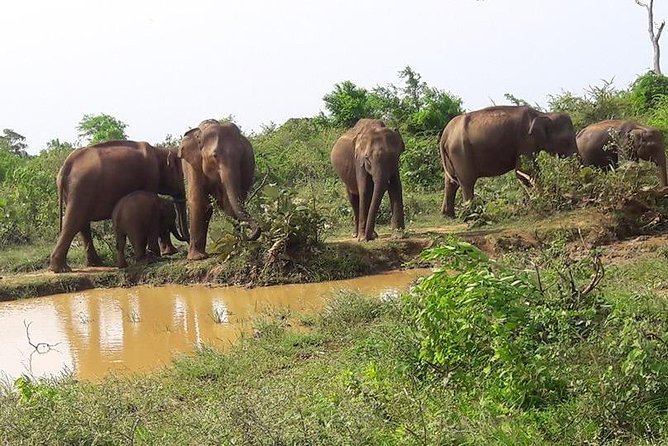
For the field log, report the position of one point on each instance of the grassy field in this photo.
(353, 375)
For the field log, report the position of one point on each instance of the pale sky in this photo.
(164, 66)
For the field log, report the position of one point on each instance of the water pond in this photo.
(141, 329)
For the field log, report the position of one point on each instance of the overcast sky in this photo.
(163, 66)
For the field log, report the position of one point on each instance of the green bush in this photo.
(421, 167)
(478, 324)
(295, 153)
(566, 185)
(597, 104)
(647, 90)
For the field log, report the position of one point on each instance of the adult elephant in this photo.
(218, 161)
(490, 142)
(599, 143)
(93, 179)
(366, 158)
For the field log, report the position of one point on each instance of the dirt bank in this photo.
(342, 258)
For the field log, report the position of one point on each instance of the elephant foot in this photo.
(122, 265)
(64, 268)
(196, 255)
(169, 251)
(367, 239)
(449, 214)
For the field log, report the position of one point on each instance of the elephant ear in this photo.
(539, 128)
(397, 139)
(190, 146)
(361, 145)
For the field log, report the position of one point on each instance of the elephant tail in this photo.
(61, 198)
(448, 167)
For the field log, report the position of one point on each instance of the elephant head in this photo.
(224, 166)
(647, 143)
(377, 152)
(554, 132)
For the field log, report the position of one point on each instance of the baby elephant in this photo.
(147, 220)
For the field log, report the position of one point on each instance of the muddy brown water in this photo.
(141, 329)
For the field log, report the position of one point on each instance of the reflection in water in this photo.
(141, 329)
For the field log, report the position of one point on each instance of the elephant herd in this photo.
(121, 180)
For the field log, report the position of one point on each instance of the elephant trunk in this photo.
(182, 221)
(237, 206)
(379, 187)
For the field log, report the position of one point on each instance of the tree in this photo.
(416, 107)
(654, 34)
(13, 143)
(99, 128)
(348, 103)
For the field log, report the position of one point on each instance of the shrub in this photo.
(421, 167)
(476, 325)
(597, 104)
(647, 90)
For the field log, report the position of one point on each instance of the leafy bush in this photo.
(597, 104)
(290, 227)
(28, 195)
(647, 90)
(295, 153)
(478, 324)
(421, 167)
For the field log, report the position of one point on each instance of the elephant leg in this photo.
(354, 200)
(92, 259)
(396, 202)
(152, 239)
(58, 260)
(365, 187)
(200, 215)
(448, 209)
(166, 246)
(139, 245)
(120, 250)
(467, 185)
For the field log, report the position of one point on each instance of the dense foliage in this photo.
(99, 128)
(295, 155)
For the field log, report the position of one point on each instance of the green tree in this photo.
(99, 128)
(415, 107)
(348, 103)
(13, 142)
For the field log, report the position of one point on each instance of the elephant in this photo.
(217, 161)
(490, 142)
(598, 144)
(93, 179)
(147, 220)
(169, 227)
(366, 158)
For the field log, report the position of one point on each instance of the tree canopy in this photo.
(99, 128)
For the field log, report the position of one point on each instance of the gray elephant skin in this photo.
(598, 145)
(148, 221)
(366, 158)
(218, 161)
(93, 179)
(491, 142)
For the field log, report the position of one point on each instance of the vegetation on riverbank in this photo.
(554, 361)
(534, 346)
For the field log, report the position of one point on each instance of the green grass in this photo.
(351, 376)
